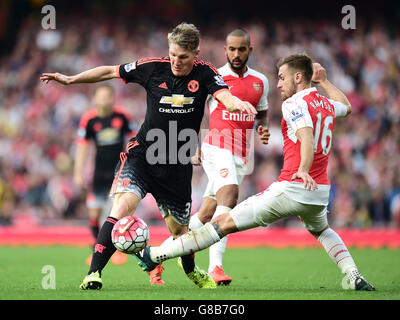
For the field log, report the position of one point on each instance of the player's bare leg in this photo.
(340, 255)
(124, 204)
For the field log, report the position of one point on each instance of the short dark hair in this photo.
(299, 62)
(239, 33)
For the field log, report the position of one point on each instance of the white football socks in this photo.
(337, 250)
(195, 222)
(217, 250)
(167, 241)
(188, 243)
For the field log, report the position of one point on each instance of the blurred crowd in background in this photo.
(38, 122)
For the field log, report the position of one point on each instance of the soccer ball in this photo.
(130, 234)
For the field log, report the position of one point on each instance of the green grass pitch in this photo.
(258, 274)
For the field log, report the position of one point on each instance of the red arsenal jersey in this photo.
(308, 108)
(231, 130)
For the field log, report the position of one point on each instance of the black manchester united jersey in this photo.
(108, 135)
(174, 104)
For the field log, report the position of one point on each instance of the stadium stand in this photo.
(38, 123)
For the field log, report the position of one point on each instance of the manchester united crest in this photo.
(193, 85)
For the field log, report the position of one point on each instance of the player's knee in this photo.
(119, 211)
(227, 196)
(229, 202)
(207, 210)
(123, 205)
(206, 215)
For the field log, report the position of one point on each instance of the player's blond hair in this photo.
(185, 35)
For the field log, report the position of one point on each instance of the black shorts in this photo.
(99, 193)
(170, 185)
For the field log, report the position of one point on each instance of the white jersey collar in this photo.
(304, 92)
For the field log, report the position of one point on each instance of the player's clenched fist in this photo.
(263, 134)
(319, 73)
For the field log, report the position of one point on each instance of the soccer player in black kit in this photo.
(157, 160)
(106, 126)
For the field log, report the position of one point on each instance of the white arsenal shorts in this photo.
(222, 168)
(274, 204)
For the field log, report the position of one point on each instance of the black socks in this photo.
(104, 248)
(188, 263)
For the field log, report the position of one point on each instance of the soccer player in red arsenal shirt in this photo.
(303, 187)
(225, 150)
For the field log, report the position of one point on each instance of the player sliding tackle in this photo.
(177, 87)
(303, 186)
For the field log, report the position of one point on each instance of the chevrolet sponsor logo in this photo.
(177, 100)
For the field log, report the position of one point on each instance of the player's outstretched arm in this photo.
(234, 104)
(90, 76)
(320, 78)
